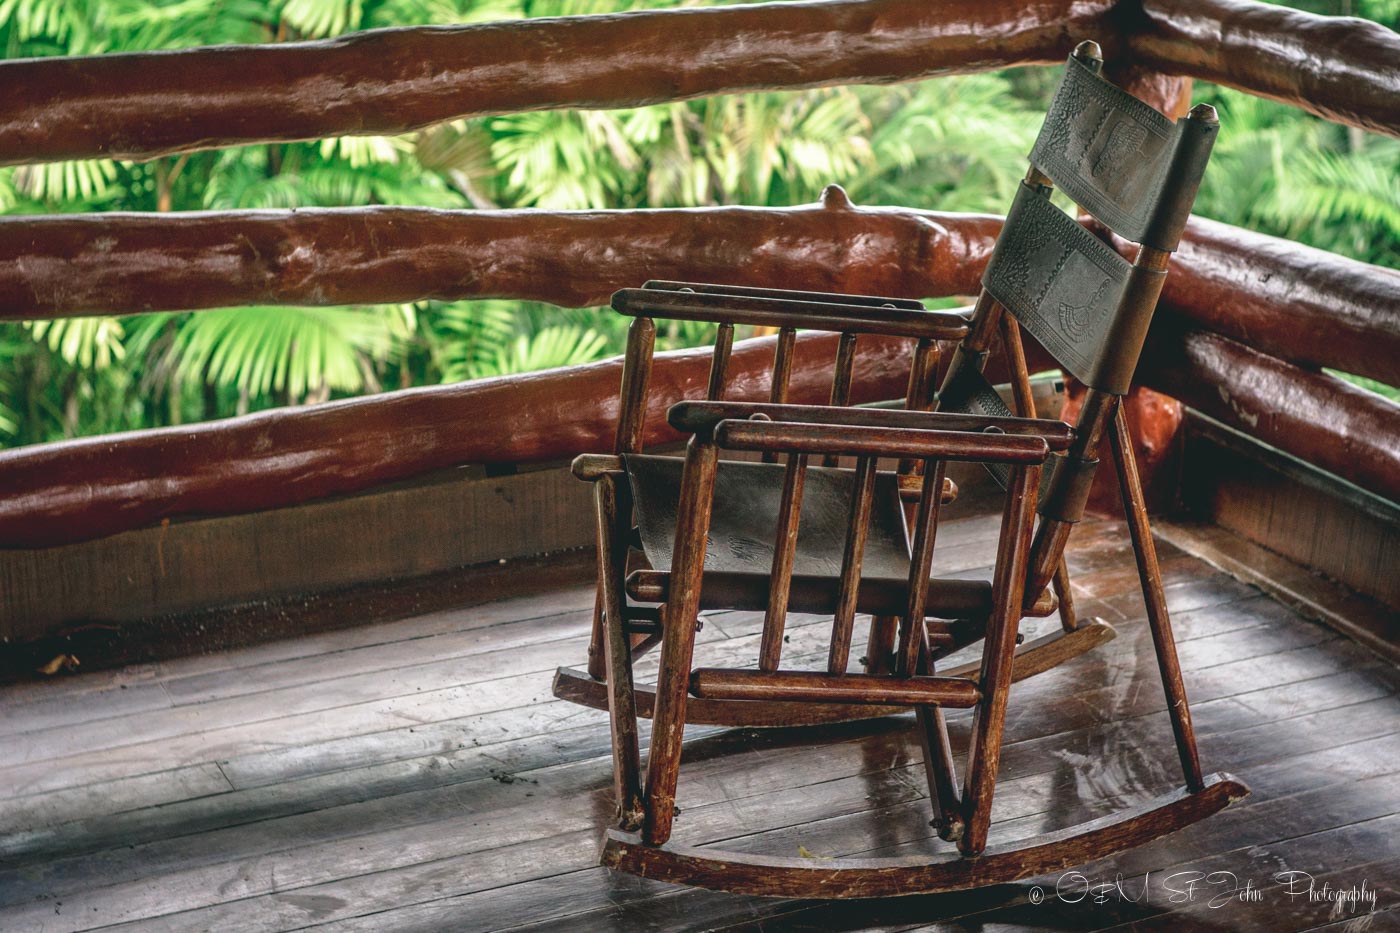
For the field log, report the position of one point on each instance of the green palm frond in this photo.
(86, 342)
(461, 153)
(60, 21)
(262, 350)
(314, 18)
(360, 151)
(467, 336)
(1282, 172)
(87, 180)
(446, 12)
(561, 345)
(951, 143)
(139, 25)
(9, 194)
(1337, 188)
(551, 160)
(240, 180)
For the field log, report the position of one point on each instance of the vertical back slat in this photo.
(911, 633)
(612, 567)
(782, 365)
(1025, 408)
(1016, 362)
(782, 374)
(841, 380)
(919, 396)
(845, 363)
(998, 656)
(719, 366)
(636, 374)
(784, 552)
(844, 622)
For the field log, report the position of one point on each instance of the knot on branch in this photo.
(834, 198)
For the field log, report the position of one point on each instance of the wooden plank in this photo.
(1353, 614)
(1264, 702)
(465, 681)
(74, 804)
(1035, 719)
(59, 709)
(188, 566)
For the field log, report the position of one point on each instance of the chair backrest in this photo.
(1135, 171)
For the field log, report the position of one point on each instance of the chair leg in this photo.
(879, 650)
(938, 761)
(1069, 620)
(678, 639)
(998, 655)
(1024, 400)
(598, 640)
(1135, 506)
(622, 708)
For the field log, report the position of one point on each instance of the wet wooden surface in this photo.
(417, 775)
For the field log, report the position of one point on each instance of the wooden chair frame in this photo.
(641, 842)
(1035, 281)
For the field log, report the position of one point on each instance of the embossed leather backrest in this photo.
(1121, 160)
(1135, 171)
(1061, 282)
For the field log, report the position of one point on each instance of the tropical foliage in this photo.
(950, 144)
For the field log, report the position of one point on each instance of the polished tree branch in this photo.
(1313, 415)
(1338, 67)
(389, 81)
(90, 488)
(65, 266)
(1293, 301)
(141, 105)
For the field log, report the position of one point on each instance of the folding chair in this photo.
(840, 541)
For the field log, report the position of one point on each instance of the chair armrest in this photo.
(708, 288)
(853, 441)
(697, 417)
(786, 312)
(591, 467)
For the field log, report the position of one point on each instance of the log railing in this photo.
(141, 105)
(1247, 320)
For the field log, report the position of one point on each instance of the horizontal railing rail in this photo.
(1341, 68)
(93, 487)
(386, 81)
(1315, 416)
(141, 105)
(1302, 304)
(61, 266)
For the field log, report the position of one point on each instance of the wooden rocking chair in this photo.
(840, 542)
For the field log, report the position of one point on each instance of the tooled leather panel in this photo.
(1106, 149)
(1060, 281)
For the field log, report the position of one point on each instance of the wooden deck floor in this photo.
(419, 776)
